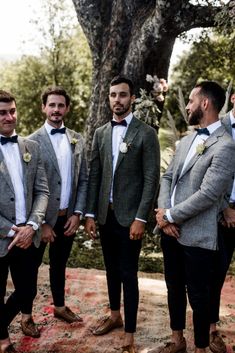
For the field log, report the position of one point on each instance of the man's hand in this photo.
(72, 225)
(159, 217)
(137, 230)
(171, 229)
(23, 237)
(48, 234)
(229, 217)
(90, 227)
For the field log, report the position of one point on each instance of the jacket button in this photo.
(13, 218)
(58, 199)
(59, 182)
(12, 199)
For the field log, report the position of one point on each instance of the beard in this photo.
(195, 117)
(122, 111)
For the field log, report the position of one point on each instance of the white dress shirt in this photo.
(199, 139)
(63, 153)
(13, 162)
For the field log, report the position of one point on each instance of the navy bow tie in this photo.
(56, 131)
(5, 140)
(118, 123)
(203, 131)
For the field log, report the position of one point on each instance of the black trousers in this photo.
(121, 256)
(223, 258)
(23, 269)
(59, 252)
(188, 270)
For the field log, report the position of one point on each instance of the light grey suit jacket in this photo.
(200, 188)
(79, 173)
(35, 191)
(136, 176)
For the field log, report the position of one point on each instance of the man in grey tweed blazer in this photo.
(64, 158)
(226, 245)
(123, 181)
(190, 199)
(24, 196)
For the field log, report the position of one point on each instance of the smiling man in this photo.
(123, 181)
(64, 159)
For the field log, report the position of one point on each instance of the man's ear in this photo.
(232, 99)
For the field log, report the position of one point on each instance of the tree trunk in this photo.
(135, 38)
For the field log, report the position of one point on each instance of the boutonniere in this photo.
(27, 157)
(200, 148)
(124, 146)
(74, 141)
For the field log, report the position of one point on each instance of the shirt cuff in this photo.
(35, 225)
(141, 220)
(11, 234)
(91, 215)
(168, 214)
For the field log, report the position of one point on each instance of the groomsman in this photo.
(123, 181)
(226, 248)
(23, 202)
(189, 202)
(64, 158)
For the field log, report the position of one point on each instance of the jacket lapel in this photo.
(4, 171)
(48, 148)
(130, 135)
(26, 176)
(227, 123)
(108, 144)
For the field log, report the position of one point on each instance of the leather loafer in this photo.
(171, 347)
(9, 349)
(217, 344)
(29, 328)
(128, 349)
(106, 325)
(67, 315)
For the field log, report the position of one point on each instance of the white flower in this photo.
(200, 148)
(27, 157)
(124, 147)
(74, 141)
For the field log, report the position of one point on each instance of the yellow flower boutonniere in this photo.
(27, 157)
(200, 148)
(74, 141)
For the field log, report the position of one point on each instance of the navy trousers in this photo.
(121, 256)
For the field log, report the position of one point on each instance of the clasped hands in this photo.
(168, 228)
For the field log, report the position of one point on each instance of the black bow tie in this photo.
(118, 123)
(233, 125)
(5, 140)
(203, 131)
(60, 131)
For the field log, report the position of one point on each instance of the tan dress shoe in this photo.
(29, 328)
(171, 347)
(106, 324)
(217, 344)
(67, 315)
(128, 349)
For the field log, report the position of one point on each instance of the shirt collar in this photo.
(48, 127)
(214, 126)
(128, 118)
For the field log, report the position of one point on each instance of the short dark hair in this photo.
(57, 90)
(6, 97)
(214, 92)
(123, 79)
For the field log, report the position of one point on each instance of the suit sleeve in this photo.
(151, 173)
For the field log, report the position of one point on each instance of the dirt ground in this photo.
(86, 294)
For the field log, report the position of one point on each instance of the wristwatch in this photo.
(165, 218)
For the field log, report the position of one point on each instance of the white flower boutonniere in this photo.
(124, 146)
(27, 157)
(74, 141)
(200, 148)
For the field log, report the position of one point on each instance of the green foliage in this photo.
(64, 59)
(210, 58)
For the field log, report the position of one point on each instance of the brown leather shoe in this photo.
(67, 315)
(171, 347)
(128, 349)
(217, 344)
(9, 349)
(29, 328)
(106, 324)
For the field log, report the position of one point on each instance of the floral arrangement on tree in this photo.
(146, 106)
